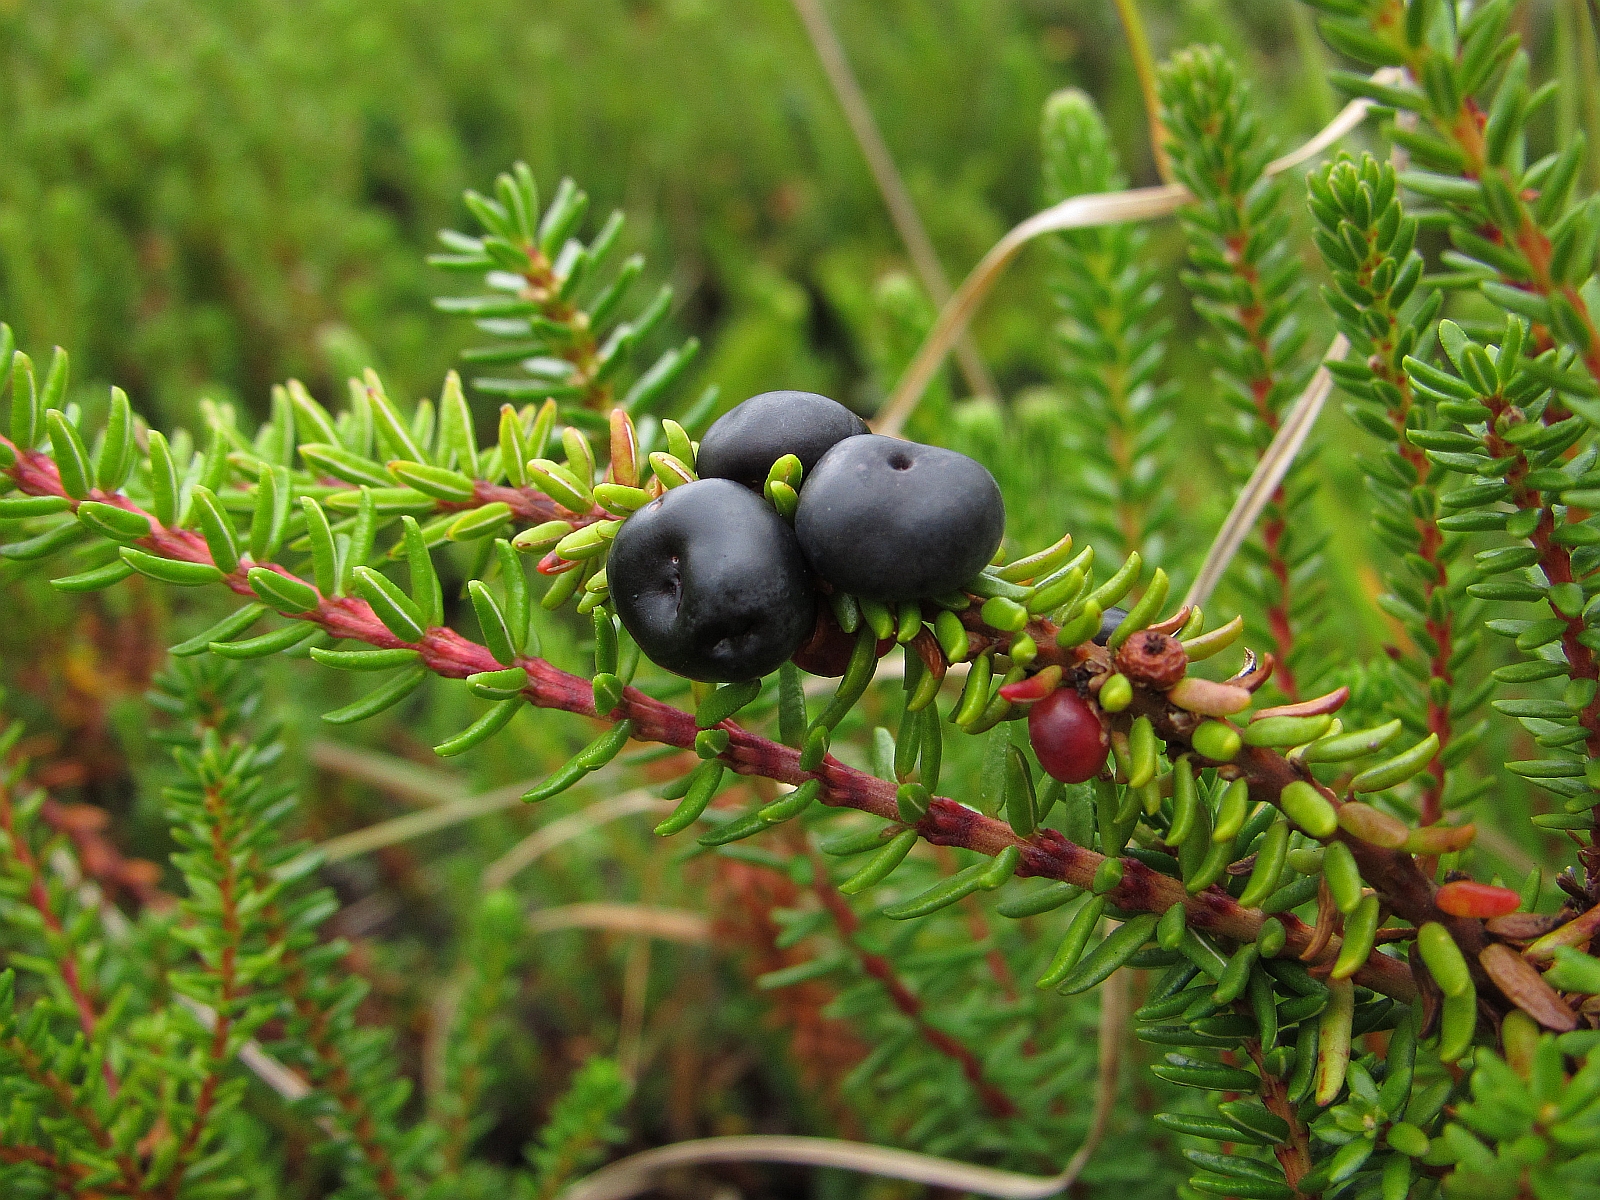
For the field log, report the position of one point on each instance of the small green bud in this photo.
(1116, 693)
(709, 743)
(911, 801)
(952, 636)
(1108, 876)
(1217, 741)
(1003, 614)
(1408, 1139)
(1309, 808)
(1172, 926)
(1270, 939)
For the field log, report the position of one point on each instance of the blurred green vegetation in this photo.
(202, 197)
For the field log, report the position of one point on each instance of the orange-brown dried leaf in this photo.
(1522, 984)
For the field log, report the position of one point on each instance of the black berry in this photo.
(745, 441)
(893, 520)
(710, 582)
(1108, 624)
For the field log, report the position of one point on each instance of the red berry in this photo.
(1464, 898)
(1067, 736)
(827, 651)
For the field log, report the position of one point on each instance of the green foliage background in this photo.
(205, 197)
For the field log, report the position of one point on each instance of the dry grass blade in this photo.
(1079, 212)
(1144, 68)
(1114, 1008)
(635, 992)
(416, 785)
(1264, 480)
(517, 859)
(419, 785)
(668, 924)
(429, 820)
(1493, 841)
(634, 1175)
(896, 197)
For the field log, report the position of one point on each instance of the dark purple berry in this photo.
(710, 582)
(893, 520)
(1112, 617)
(746, 440)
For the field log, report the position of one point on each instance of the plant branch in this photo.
(908, 1002)
(1555, 560)
(68, 1176)
(1046, 854)
(1515, 227)
(39, 900)
(224, 852)
(338, 1081)
(1266, 479)
(62, 1093)
(1294, 1152)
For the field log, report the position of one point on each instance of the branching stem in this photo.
(224, 852)
(904, 999)
(1394, 874)
(39, 898)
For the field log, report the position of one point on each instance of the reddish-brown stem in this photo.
(1272, 531)
(1251, 315)
(1555, 560)
(907, 1001)
(528, 505)
(466, 1091)
(1130, 515)
(68, 1176)
(228, 988)
(62, 1093)
(1385, 362)
(39, 899)
(1294, 1153)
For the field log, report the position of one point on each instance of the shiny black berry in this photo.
(710, 582)
(893, 520)
(745, 441)
(1108, 624)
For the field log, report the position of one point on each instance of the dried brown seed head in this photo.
(1154, 659)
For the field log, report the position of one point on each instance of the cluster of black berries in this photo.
(713, 583)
